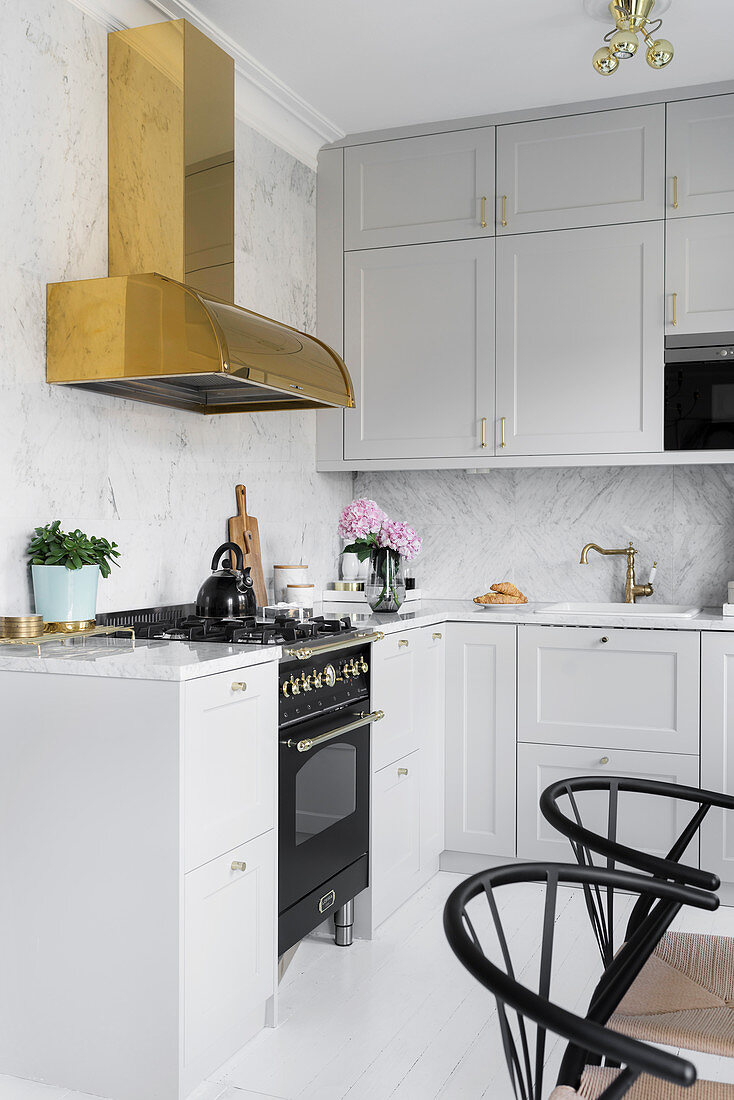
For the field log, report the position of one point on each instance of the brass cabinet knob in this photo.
(605, 639)
(239, 865)
(402, 642)
(239, 685)
(604, 760)
(437, 637)
(402, 771)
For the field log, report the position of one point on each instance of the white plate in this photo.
(502, 606)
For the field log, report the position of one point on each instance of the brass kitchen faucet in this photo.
(631, 589)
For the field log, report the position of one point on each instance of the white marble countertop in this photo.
(162, 660)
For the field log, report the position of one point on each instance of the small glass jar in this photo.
(385, 584)
(303, 595)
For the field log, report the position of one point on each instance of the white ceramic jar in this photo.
(283, 575)
(303, 595)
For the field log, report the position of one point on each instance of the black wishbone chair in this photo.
(634, 1069)
(684, 996)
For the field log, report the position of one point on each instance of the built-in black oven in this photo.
(699, 392)
(323, 787)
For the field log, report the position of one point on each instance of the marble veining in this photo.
(160, 482)
(528, 526)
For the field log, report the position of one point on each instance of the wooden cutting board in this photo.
(244, 531)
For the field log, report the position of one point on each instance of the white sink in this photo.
(648, 610)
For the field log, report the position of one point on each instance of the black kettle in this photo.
(228, 593)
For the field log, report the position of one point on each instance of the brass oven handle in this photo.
(484, 212)
(675, 308)
(675, 192)
(504, 210)
(330, 647)
(308, 743)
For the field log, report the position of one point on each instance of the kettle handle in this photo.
(238, 556)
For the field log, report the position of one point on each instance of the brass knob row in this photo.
(328, 676)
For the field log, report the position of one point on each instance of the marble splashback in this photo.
(528, 526)
(159, 482)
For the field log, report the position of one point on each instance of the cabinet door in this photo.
(419, 189)
(717, 750)
(480, 738)
(229, 947)
(394, 686)
(627, 689)
(579, 170)
(699, 271)
(229, 760)
(700, 153)
(430, 719)
(580, 341)
(419, 341)
(396, 855)
(650, 824)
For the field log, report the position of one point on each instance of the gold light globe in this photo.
(623, 44)
(604, 62)
(660, 53)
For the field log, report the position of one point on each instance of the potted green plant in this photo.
(65, 567)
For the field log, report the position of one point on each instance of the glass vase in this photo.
(385, 584)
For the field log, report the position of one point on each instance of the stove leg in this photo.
(344, 925)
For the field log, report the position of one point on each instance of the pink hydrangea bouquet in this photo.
(387, 543)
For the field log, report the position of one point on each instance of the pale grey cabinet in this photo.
(420, 189)
(699, 275)
(480, 738)
(580, 341)
(419, 342)
(717, 749)
(700, 156)
(581, 170)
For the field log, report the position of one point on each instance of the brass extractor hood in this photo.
(162, 327)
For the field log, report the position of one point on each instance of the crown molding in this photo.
(262, 101)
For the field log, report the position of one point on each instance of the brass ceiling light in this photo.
(632, 18)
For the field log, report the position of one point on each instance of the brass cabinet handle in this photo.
(675, 192)
(484, 212)
(239, 685)
(402, 642)
(604, 760)
(502, 432)
(484, 431)
(402, 771)
(437, 637)
(239, 865)
(504, 209)
(675, 308)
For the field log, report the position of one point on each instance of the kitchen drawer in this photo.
(229, 947)
(396, 835)
(229, 760)
(649, 823)
(394, 687)
(612, 688)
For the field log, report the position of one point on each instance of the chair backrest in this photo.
(562, 808)
(526, 1016)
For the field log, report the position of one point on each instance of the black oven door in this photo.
(323, 817)
(699, 406)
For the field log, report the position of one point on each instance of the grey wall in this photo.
(159, 482)
(528, 526)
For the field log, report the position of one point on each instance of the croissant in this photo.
(508, 589)
(499, 597)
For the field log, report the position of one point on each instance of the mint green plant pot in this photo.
(65, 595)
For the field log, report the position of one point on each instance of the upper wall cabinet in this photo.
(699, 275)
(419, 340)
(700, 160)
(420, 189)
(580, 341)
(581, 170)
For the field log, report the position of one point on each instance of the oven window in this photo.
(326, 790)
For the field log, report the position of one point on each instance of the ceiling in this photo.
(397, 62)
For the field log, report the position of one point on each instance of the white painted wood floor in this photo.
(398, 1017)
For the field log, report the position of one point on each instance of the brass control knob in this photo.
(295, 686)
(363, 666)
(329, 676)
(305, 682)
(315, 679)
(286, 688)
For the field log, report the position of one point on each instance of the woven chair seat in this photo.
(684, 995)
(598, 1078)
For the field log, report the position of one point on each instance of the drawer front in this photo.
(229, 945)
(613, 688)
(396, 862)
(230, 760)
(644, 822)
(394, 686)
(419, 189)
